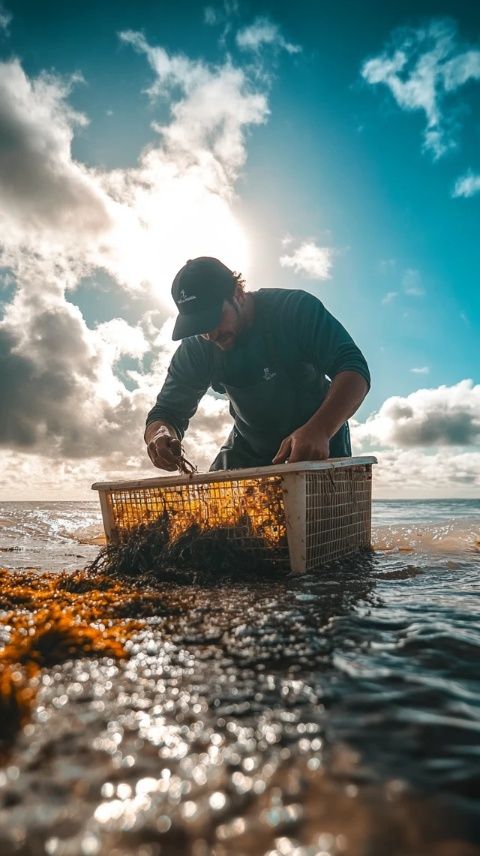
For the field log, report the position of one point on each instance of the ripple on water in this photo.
(335, 713)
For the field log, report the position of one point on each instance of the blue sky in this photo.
(333, 148)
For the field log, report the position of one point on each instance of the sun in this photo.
(164, 227)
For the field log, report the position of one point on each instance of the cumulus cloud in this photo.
(209, 123)
(309, 259)
(422, 68)
(184, 187)
(208, 430)
(61, 395)
(444, 416)
(414, 473)
(264, 32)
(46, 199)
(468, 185)
(138, 224)
(34, 478)
(61, 381)
(421, 370)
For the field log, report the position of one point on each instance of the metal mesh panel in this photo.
(329, 510)
(250, 509)
(338, 513)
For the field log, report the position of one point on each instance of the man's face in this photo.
(228, 328)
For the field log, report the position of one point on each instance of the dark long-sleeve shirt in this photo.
(275, 377)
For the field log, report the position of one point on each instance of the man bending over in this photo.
(291, 372)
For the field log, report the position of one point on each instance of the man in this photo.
(291, 372)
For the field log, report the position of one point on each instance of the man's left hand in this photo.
(304, 444)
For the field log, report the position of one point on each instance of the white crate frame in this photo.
(296, 480)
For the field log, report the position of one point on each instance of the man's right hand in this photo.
(164, 449)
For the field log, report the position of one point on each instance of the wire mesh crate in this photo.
(300, 515)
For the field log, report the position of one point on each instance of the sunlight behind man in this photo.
(163, 230)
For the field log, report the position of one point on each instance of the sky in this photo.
(328, 147)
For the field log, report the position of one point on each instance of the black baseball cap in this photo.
(199, 290)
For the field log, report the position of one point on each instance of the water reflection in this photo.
(335, 713)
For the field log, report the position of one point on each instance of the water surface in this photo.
(332, 713)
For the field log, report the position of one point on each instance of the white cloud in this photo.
(5, 18)
(427, 443)
(412, 283)
(62, 398)
(122, 339)
(222, 14)
(210, 16)
(467, 185)
(32, 477)
(185, 186)
(264, 32)
(139, 224)
(421, 370)
(389, 297)
(309, 259)
(443, 416)
(208, 430)
(421, 68)
(414, 473)
(46, 199)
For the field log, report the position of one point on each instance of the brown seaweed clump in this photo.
(205, 556)
(46, 637)
(51, 636)
(53, 618)
(17, 694)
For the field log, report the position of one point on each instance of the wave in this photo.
(454, 537)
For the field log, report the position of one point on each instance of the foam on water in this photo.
(430, 527)
(49, 535)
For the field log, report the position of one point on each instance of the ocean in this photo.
(336, 712)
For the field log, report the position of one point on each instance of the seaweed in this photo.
(92, 613)
(17, 694)
(55, 618)
(199, 555)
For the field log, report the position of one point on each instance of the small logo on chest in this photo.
(268, 374)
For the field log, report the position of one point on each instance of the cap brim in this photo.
(197, 323)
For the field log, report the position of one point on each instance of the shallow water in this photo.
(334, 713)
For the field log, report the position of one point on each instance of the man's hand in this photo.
(311, 441)
(304, 444)
(164, 449)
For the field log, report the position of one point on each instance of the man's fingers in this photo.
(295, 453)
(175, 447)
(283, 452)
(162, 464)
(164, 452)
